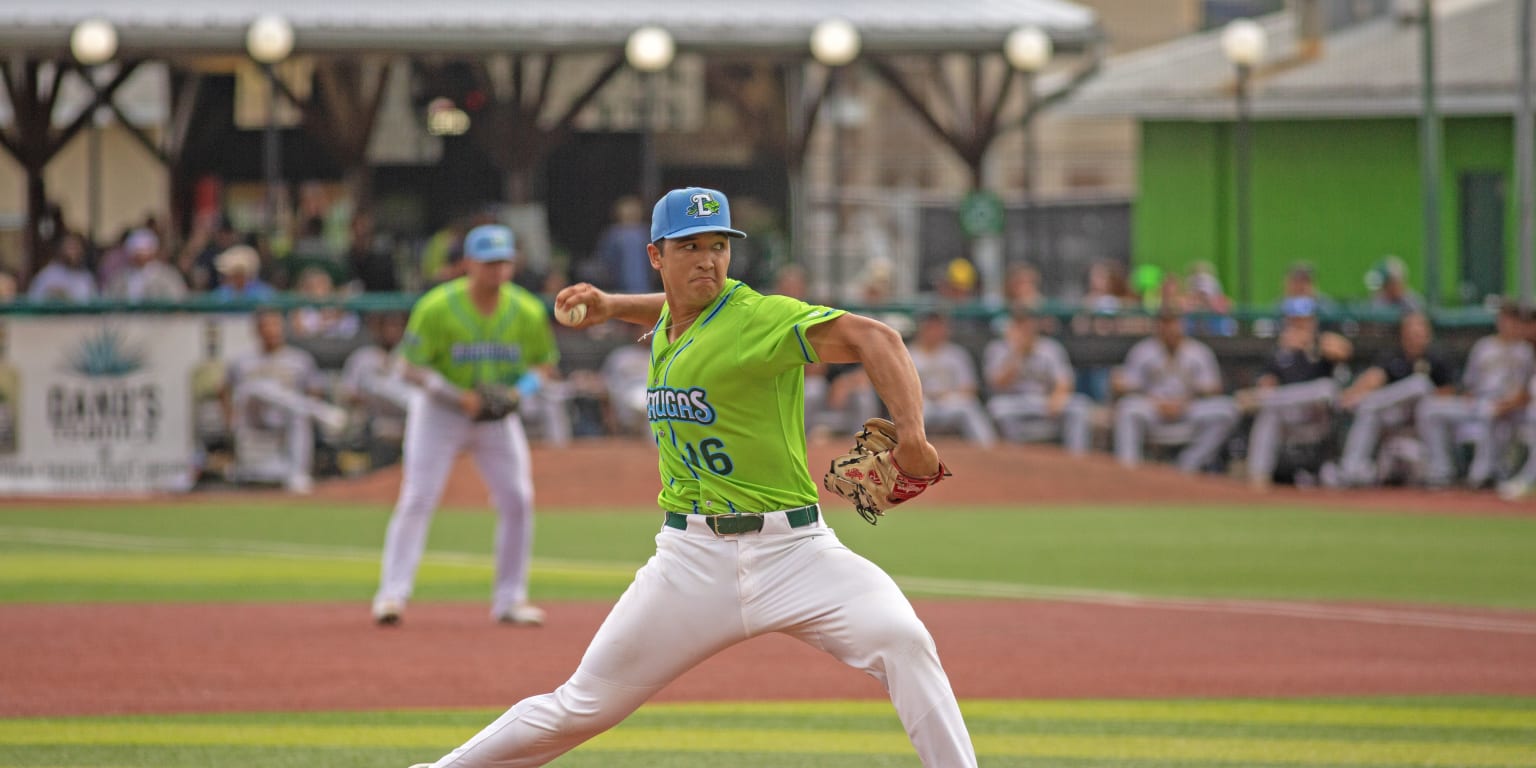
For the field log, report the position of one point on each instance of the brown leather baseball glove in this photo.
(868, 475)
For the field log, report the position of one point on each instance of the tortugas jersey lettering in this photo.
(449, 335)
(726, 403)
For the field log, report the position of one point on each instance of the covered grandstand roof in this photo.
(1371, 69)
(168, 27)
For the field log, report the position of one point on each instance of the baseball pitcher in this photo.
(472, 347)
(744, 548)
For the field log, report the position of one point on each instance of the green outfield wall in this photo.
(1338, 193)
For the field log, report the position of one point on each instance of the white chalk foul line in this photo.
(1411, 617)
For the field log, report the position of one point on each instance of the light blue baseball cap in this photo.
(489, 242)
(692, 211)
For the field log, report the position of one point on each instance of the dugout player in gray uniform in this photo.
(1170, 379)
(1032, 382)
(1385, 395)
(1297, 389)
(1494, 392)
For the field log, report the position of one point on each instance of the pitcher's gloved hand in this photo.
(869, 477)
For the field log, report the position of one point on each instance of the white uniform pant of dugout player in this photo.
(265, 408)
(1444, 422)
(434, 435)
(1389, 407)
(1206, 424)
(1291, 412)
(700, 594)
(1024, 417)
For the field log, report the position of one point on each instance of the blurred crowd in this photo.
(1317, 413)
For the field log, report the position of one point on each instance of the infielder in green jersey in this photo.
(743, 550)
(462, 336)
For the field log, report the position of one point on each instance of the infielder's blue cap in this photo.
(489, 242)
(692, 211)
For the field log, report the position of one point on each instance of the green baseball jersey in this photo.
(726, 403)
(449, 335)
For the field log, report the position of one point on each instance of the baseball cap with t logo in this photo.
(691, 211)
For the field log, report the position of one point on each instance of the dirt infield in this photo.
(120, 658)
(107, 659)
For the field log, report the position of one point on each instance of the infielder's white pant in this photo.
(1390, 406)
(964, 414)
(1016, 414)
(1444, 421)
(700, 594)
(434, 435)
(1284, 409)
(264, 404)
(1210, 421)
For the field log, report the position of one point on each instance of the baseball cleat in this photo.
(387, 614)
(522, 615)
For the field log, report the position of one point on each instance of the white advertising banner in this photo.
(97, 404)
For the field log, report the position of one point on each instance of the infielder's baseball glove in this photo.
(869, 477)
(496, 402)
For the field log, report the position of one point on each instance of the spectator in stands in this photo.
(957, 283)
(1294, 397)
(210, 236)
(948, 377)
(370, 261)
(621, 249)
(1032, 383)
(311, 250)
(1021, 287)
(147, 277)
(114, 261)
(322, 318)
(238, 268)
(273, 397)
(1107, 288)
(1494, 392)
(1388, 283)
(1385, 395)
(66, 277)
(1301, 283)
(1170, 390)
(1207, 304)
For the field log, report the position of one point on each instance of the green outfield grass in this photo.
(1463, 732)
(289, 550)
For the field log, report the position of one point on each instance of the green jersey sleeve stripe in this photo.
(723, 301)
(800, 337)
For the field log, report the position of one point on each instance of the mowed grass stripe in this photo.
(768, 740)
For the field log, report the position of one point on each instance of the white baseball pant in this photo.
(700, 594)
(434, 435)
(1444, 421)
(1282, 409)
(963, 413)
(267, 404)
(1210, 420)
(1389, 406)
(1015, 414)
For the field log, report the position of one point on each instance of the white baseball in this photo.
(574, 315)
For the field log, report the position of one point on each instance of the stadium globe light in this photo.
(93, 42)
(650, 49)
(269, 39)
(1243, 42)
(1028, 49)
(835, 42)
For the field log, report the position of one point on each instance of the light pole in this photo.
(93, 43)
(269, 40)
(649, 50)
(1243, 42)
(835, 43)
(1028, 50)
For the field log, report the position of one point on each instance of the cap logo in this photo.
(703, 205)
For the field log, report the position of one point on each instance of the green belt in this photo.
(746, 522)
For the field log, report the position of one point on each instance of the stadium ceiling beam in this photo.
(32, 87)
